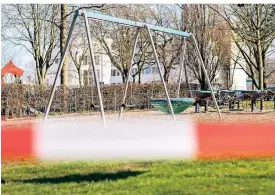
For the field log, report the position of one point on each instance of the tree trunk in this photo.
(139, 77)
(79, 77)
(40, 74)
(166, 75)
(203, 83)
(123, 77)
(259, 50)
(63, 38)
(64, 71)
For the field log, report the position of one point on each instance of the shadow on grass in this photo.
(92, 177)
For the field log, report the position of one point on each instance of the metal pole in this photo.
(160, 73)
(94, 69)
(129, 72)
(59, 68)
(181, 67)
(187, 78)
(185, 70)
(207, 77)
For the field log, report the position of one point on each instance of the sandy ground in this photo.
(139, 116)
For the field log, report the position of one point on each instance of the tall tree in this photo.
(66, 13)
(78, 50)
(212, 37)
(63, 37)
(253, 34)
(144, 57)
(168, 47)
(117, 40)
(32, 28)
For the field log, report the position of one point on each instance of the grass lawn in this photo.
(254, 176)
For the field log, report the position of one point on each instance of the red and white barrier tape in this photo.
(148, 140)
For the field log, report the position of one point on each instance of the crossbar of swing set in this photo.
(96, 16)
(121, 21)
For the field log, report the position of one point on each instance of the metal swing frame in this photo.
(139, 26)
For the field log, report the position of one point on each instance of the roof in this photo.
(11, 68)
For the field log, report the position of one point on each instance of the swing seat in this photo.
(178, 104)
(94, 106)
(201, 94)
(127, 106)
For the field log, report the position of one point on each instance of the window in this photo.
(113, 72)
(88, 60)
(117, 73)
(87, 77)
(147, 71)
(97, 60)
(155, 70)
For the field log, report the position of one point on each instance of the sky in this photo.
(20, 57)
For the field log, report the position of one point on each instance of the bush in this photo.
(16, 98)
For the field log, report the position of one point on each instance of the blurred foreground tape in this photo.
(138, 141)
(236, 140)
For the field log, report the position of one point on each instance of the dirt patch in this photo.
(139, 116)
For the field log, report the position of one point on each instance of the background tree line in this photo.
(227, 35)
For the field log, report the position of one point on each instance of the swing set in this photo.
(139, 26)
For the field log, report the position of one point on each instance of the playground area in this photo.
(201, 176)
(244, 116)
(147, 138)
(209, 175)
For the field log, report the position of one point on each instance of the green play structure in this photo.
(178, 104)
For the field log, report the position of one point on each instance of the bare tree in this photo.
(253, 33)
(66, 13)
(78, 49)
(28, 26)
(117, 41)
(213, 42)
(144, 57)
(168, 47)
(63, 36)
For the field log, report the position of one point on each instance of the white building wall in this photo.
(239, 76)
(148, 75)
(239, 80)
(151, 74)
(103, 68)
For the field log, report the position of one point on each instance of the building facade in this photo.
(109, 74)
(85, 76)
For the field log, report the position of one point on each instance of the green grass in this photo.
(254, 176)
